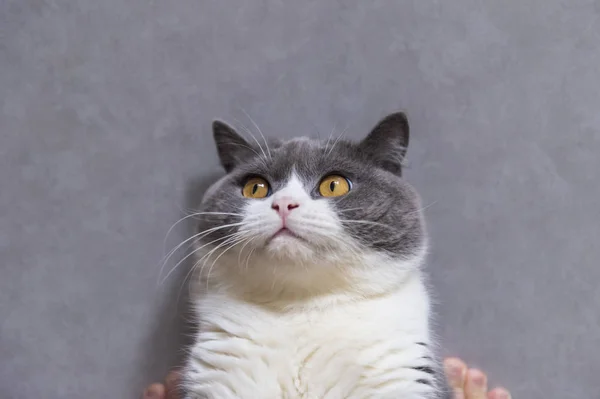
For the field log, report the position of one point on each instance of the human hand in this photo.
(465, 383)
(470, 383)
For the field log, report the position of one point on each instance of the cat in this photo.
(309, 279)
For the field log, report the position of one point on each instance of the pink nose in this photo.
(284, 206)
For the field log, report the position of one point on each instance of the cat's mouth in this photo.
(284, 232)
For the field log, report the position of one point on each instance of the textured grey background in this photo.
(104, 119)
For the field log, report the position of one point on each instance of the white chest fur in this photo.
(368, 348)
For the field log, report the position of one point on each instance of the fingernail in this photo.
(151, 393)
(454, 369)
(503, 395)
(479, 380)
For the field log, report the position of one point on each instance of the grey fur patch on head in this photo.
(381, 211)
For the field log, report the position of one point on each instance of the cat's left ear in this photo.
(232, 148)
(388, 141)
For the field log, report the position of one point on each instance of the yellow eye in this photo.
(256, 187)
(334, 186)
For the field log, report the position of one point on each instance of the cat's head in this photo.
(312, 204)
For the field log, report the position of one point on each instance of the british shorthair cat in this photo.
(308, 279)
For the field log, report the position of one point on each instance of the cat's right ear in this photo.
(388, 141)
(231, 147)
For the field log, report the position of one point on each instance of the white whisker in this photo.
(351, 209)
(248, 257)
(422, 209)
(183, 283)
(368, 222)
(337, 140)
(245, 146)
(198, 236)
(207, 256)
(326, 229)
(329, 138)
(203, 233)
(195, 251)
(242, 250)
(193, 215)
(259, 131)
(192, 253)
(249, 132)
(316, 129)
(217, 258)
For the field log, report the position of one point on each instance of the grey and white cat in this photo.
(309, 281)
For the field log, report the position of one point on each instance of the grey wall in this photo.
(104, 119)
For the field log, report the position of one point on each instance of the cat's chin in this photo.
(287, 245)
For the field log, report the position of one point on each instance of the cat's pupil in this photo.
(332, 186)
(254, 189)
